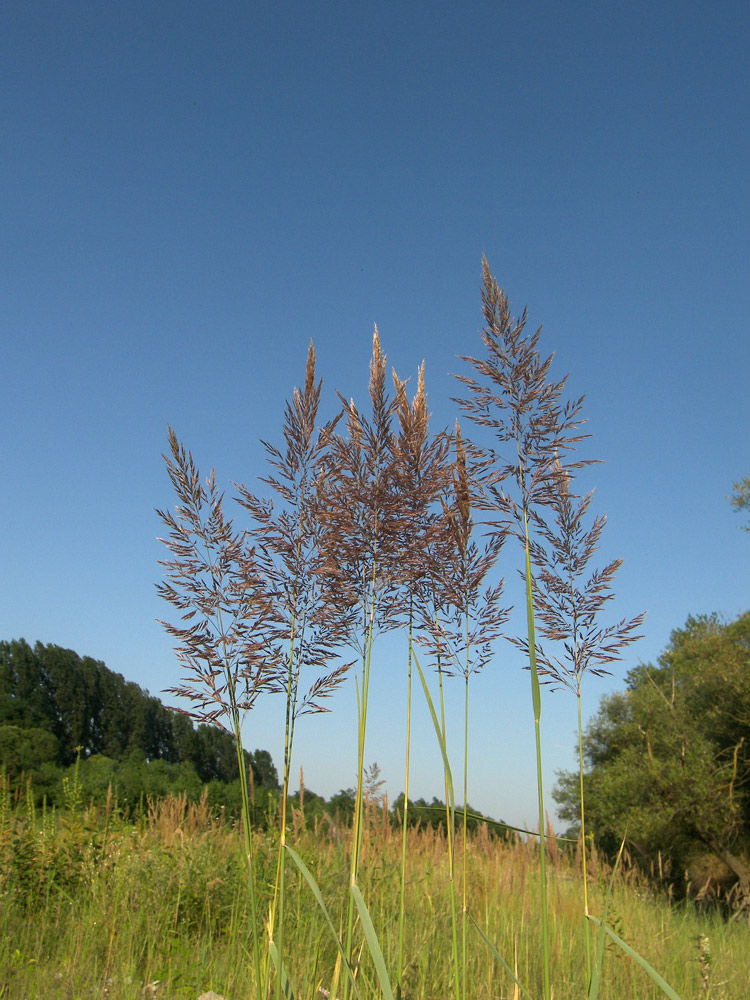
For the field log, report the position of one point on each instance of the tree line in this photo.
(58, 708)
(63, 714)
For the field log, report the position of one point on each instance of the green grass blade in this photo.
(500, 958)
(599, 958)
(280, 971)
(438, 733)
(372, 942)
(659, 980)
(310, 879)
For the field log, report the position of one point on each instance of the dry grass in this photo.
(160, 909)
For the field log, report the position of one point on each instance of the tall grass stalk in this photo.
(312, 627)
(405, 815)
(421, 470)
(450, 808)
(465, 625)
(537, 706)
(359, 508)
(363, 693)
(570, 599)
(514, 399)
(214, 577)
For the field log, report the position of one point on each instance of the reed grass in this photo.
(372, 526)
(161, 909)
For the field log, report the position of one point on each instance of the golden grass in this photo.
(160, 909)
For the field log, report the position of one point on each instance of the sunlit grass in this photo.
(161, 909)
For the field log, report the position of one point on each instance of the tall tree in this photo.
(668, 760)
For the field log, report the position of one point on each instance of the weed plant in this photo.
(375, 524)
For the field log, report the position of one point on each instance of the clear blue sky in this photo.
(191, 191)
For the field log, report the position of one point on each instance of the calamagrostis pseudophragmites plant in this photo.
(569, 600)
(228, 636)
(460, 624)
(512, 396)
(421, 470)
(359, 509)
(289, 530)
(312, 628)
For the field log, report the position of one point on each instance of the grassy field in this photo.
(93, 908)
(372, 528)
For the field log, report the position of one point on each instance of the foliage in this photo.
(57, 707)
(668, 760)
(740, 498)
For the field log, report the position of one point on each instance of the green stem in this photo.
(464, 906)
(583, 841)
(536, 697)
(361, 731)
(246, 809)
(402, 901)
(249, 854)
(450, 812)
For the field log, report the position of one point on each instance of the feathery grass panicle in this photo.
(568, 602)
(359, 509)
(515, 399)
(422, 472)
(219, 583)
(460, 623)
(311, 628)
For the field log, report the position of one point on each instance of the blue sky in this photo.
(191, 191)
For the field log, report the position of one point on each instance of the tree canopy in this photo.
(56, 706)
(740, 498)
(668, 760)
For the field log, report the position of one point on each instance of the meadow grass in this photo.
(96, 908)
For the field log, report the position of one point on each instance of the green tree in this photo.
(24, 750)
(26, 696)
(264, 770)
(740, 498)
(342, 804)
(53, 702)
(668, 760)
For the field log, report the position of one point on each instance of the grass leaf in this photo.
(597, 971)
(500, 958)
(438, 733)
(280, 971)
(372, 942)
(659, 980)
(310, 879)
